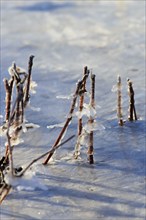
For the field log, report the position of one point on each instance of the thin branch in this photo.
(43, 155)
(27, 96)
(78, 89)
(4, 192)
(81, 102)
(9, 148)
(132, 110)
(8, 88)
(119, 101)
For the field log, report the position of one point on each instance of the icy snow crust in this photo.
(64, 36)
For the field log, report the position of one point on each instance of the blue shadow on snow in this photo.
(45, 6)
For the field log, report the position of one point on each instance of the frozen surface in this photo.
(64, 36)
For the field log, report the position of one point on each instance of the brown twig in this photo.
(91, 120)
(43, 155)
(16, 72)
(78, 89)
(8, 88)
(81, 102)
(27, 96)
(132, 110)
(4, 192)
(9, 148)
(119, 101)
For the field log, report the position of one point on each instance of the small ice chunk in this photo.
(32, 125)
(36, 109)
(16, 141)
(114, 88)
(59, 125)
(93, 127)
(33, 84)
(27, 182)
(64, 97)
(88, 110)
(19, 70)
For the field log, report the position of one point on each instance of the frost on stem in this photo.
(19, 111)
(132, 110)
(81, 103)
(8, 87)
(119, 101)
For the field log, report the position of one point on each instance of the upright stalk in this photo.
(132, 110)
(27, 96)
(119, 101)
(8, 88)
(91, 121)
(80, 124)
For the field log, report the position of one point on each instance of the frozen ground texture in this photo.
(64, 36)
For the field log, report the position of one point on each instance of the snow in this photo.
(65, 36)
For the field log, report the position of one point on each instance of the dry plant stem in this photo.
(8, 87)
(20, 95)
(132, 110)
(10, 152)
(78, 88)
(43, 155)
(91, 120)
(119, 100)
(81, 102)
(4, 192)
(9, 147)
(19, 107)
(30, 64)
(19, 86)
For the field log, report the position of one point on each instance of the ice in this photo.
(88, 111)
(19, 70)
(114, 88)
(35, 109)
(16, 141)
(64, 97)
(28, 182)
(33, 84)
(65, 36)
(31, 125)
(93, 127)
(59, 125)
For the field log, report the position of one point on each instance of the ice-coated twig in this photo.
(132, 110)
(16, 72)
(43, 155)
(9, 148)
(27, 96)
(91, 120)
(69, 118)
(81, 102)
(8, 88)
(119, 101)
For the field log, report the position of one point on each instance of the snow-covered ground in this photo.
(108, 37)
